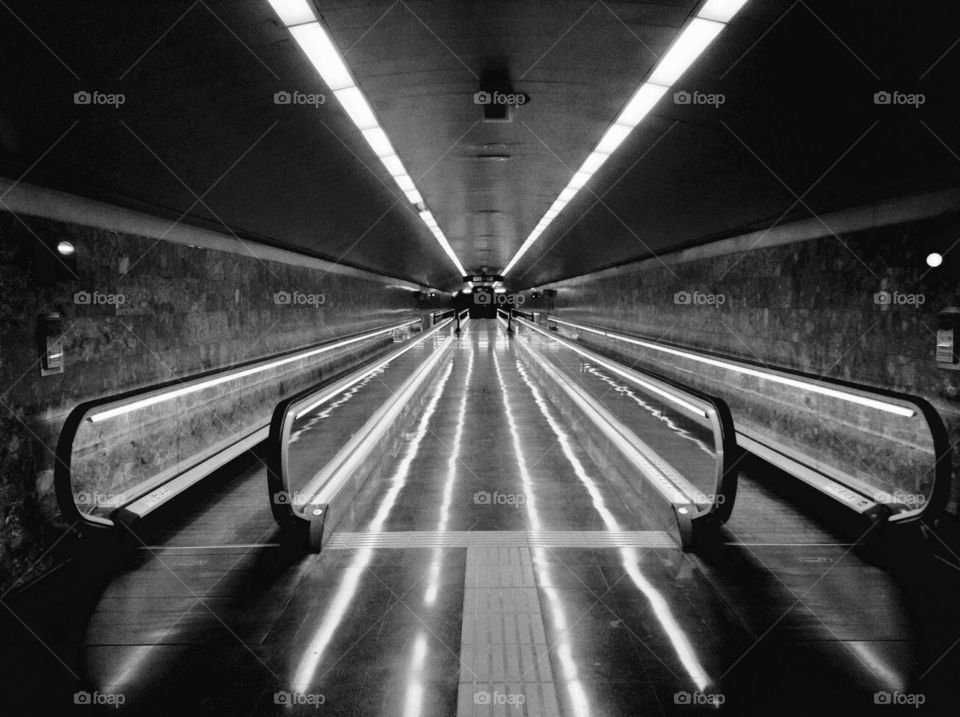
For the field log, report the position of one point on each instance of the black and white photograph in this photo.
(479, 358)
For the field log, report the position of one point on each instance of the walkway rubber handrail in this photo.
(280, 495)
(63, 478)
(933, 506)
(715, 412)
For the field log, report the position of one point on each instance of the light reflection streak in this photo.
(578, 697)
(311, 423)
(631, 558)
(880, 667)
(649, 408)
(343, 599)
(413, 703)
(434, 579)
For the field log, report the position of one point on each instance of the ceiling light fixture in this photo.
(690, 43)
(298, 17)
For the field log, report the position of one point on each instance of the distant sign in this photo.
(483, 278)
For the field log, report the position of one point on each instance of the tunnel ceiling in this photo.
(200, 137)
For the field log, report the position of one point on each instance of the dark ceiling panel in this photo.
(199, 119)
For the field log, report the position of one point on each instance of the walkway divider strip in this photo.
(501, 538)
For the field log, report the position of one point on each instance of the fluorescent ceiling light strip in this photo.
(721, 10)
(593, 162)
(319, 49)
(405, 183)
(640, 104)
(413, 344)
(613, 138)
(293, 12)
(356, 107)
(579, 179)
(792, 382)
(378, 141)
(394, 165)
(310, 34)
(690, 43)
(693, 40)
(209, 383)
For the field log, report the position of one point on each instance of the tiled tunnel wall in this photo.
(808, 306)
(184, 310)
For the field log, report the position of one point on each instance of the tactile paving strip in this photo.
(504, 656)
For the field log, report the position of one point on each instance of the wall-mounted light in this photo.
(802, 384)
(934, 260)
(190, 388)
(51, 344)
(65, 248)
